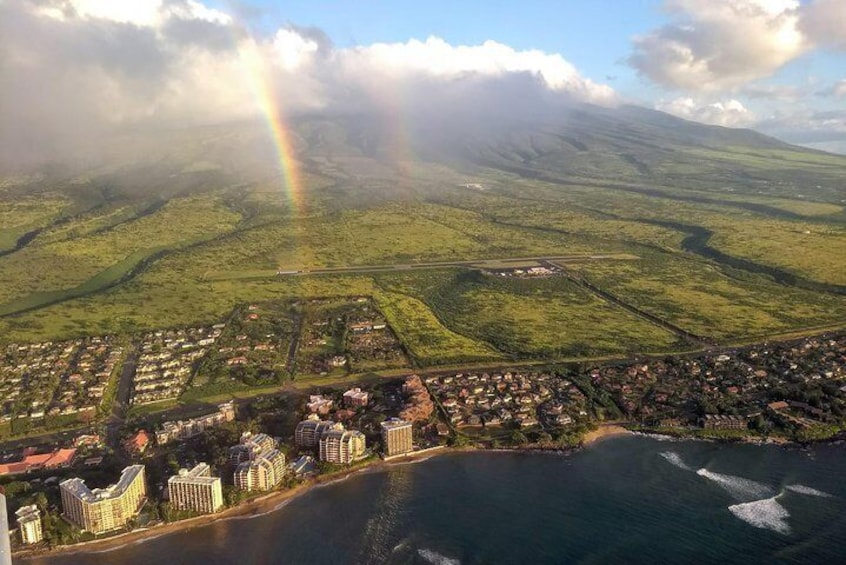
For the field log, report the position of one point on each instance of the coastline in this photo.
(250, 509)
(275, 500)
(604, 431)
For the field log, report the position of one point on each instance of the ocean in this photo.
(629, 499)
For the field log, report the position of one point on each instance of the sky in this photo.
(68, 66)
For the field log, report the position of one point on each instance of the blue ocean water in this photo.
(624, 500)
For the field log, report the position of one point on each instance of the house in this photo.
(137, 443)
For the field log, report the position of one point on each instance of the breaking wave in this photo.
(766, 514)
(436, 558)
(675, 459)
(738, 487)
(802, 489)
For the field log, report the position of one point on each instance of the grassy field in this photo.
(201, 229)
(710, 301)
(21, 215)
(65, 265)
(540, 318)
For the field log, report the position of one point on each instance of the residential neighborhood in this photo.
(55, 379)
(166, 361)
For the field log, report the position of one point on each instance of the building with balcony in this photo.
(342, 446)
(104, 509)
(196, 490)
(396, 437)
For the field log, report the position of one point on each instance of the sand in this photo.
(604, 431)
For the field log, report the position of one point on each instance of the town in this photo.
(153, 468)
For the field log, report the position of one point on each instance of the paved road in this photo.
(121, 403)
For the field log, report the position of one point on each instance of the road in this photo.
(121, 403)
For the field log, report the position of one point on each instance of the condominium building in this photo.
(342, 446)
(184, 429)
(263, 472)
(29, 523)
(310, 430)
(318, 404)
(196, 490)
(355, 397)
(396, 437)
(250, 446)
(104, 509)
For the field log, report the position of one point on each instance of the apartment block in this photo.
(29, 524)
(104, 509)
(396, 437)
(342, 446)
(263, 472)
(196, 490)
(310, 430)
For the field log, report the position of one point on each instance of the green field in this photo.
(726, 235)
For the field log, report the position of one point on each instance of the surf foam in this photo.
(738, 487)
(766, 514)
(802, 489)
(675, 459)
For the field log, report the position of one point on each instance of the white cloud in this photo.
(720, 44)
(74, 67)
(135, 12)
(435, 57)
(824, 22)
(728, 113)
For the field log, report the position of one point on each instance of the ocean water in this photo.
(624, 500)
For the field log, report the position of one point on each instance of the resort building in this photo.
(196, 490)
(263, 472)
(251, 445)
(310, 430)
(29, 524)
(355, 398)
(318, 404)
(342, 446)
(104, 509)
(396, 437)
(173, 431)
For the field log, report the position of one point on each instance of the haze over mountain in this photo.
(75, 71)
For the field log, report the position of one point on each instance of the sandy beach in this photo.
(256, 507)
(604, 431)
(271, 501)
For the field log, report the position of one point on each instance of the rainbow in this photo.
(259, 81)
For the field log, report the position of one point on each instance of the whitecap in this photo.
(802, 489)
(675, 459)
(738, 487)
(766, 514)
(436, 558)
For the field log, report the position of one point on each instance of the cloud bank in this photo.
(75, 68)
(719, 53)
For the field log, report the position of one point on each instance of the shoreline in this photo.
(254, 508)
(605, 431)
(276, 500)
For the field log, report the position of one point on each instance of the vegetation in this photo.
(727, 235)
